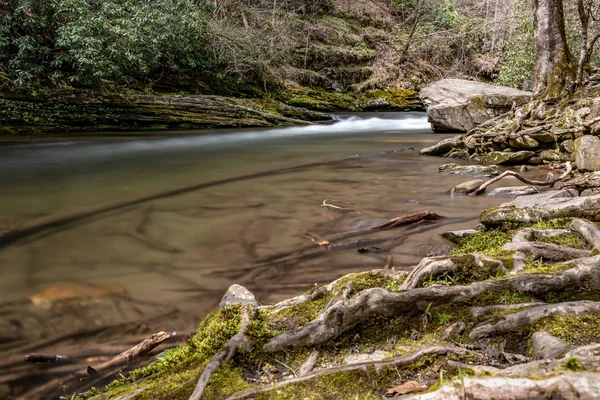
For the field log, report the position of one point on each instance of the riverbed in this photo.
(183, 251)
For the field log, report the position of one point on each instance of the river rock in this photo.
(444, 146)
(468, 187)
(543, 137)
(550, 155)
(474, 170)
(504, 157)
(457, 236)
(544, 206)
(513, 191)
(524, 142)
(237, 294)
(568, 146)
(457, 105)
(587, 153)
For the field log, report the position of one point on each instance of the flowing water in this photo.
(184, 250)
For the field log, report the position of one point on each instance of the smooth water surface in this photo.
(184, 251)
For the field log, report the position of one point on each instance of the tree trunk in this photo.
(554, 73)
(583, 8)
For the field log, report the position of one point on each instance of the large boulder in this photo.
(458, 105)
(587, 153)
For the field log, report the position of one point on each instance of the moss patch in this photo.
(488, 242)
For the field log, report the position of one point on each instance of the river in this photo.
(183, 251)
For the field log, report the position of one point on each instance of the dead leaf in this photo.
(406, 387)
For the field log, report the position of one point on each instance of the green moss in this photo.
(573, 364)
(570, 239)
(573, 331)
(487, 242)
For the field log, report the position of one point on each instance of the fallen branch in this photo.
(346, 314)
(549, 182)
(101, 370)
(344, 207)
(42, 359)
(397, 361)
(226, 354)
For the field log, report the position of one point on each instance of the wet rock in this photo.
(457, 236)
(504, 157)
(468, 187)
(237, 294)
(546, 346)
(474, 170)
(524, 142)
(444, 146)
(587, 153)
(363, 357)
(544, 206)
(457, 105)
(513, 191)
(535, 160)
(70, 292)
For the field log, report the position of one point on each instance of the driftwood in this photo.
(94, 374)
(229, 350)
(549, 182)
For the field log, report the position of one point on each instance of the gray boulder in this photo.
(468, 187)
(587, 153)
(544, 206)
(513, 191)
(473, 170)
(457, 105)
(237, 294)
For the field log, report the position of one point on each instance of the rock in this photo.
(590, 192)
(468, 187)
(546, 346)
(457, 236)
(568, 146)
(535, 160)
(457, 105)
(513, 191)
(587, 153)
(544, 206)
(474, 170)
(543, 137)
(503, 157)
(583, 112)
(237, 294)
(80, 292)
(524, 142)
(363, 357)
(550, 155)
(444, 146)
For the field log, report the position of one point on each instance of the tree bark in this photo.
(554, 73)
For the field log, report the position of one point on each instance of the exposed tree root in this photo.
(229, 350)
(547, 251)
(568, 386)
(546, 346)
(531, 316)
(346, 314)
(588, 232)
(398, 361)
(548, 182)
(478, 312)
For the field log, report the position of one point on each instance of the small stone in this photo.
(587, 153)
(468, 187)
(568, 146)
(474, 170)
(503, 157)
(535, 160)
(550, 155)
(583, 112)
(524, 142)
(457, 236)
(513, 191)
(237, 294)
(543, 137)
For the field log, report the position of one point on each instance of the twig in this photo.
(42, 359)
(520, 177)
(343, 208)
(287, 366)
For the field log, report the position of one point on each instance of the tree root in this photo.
(547, 251)
(398, 361)
(588, 232)
(346, 314)
(570, 385)
(548, 182)
(478, 312)
(531, 316)
(229, 350)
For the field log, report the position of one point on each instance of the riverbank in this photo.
(512, 309)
